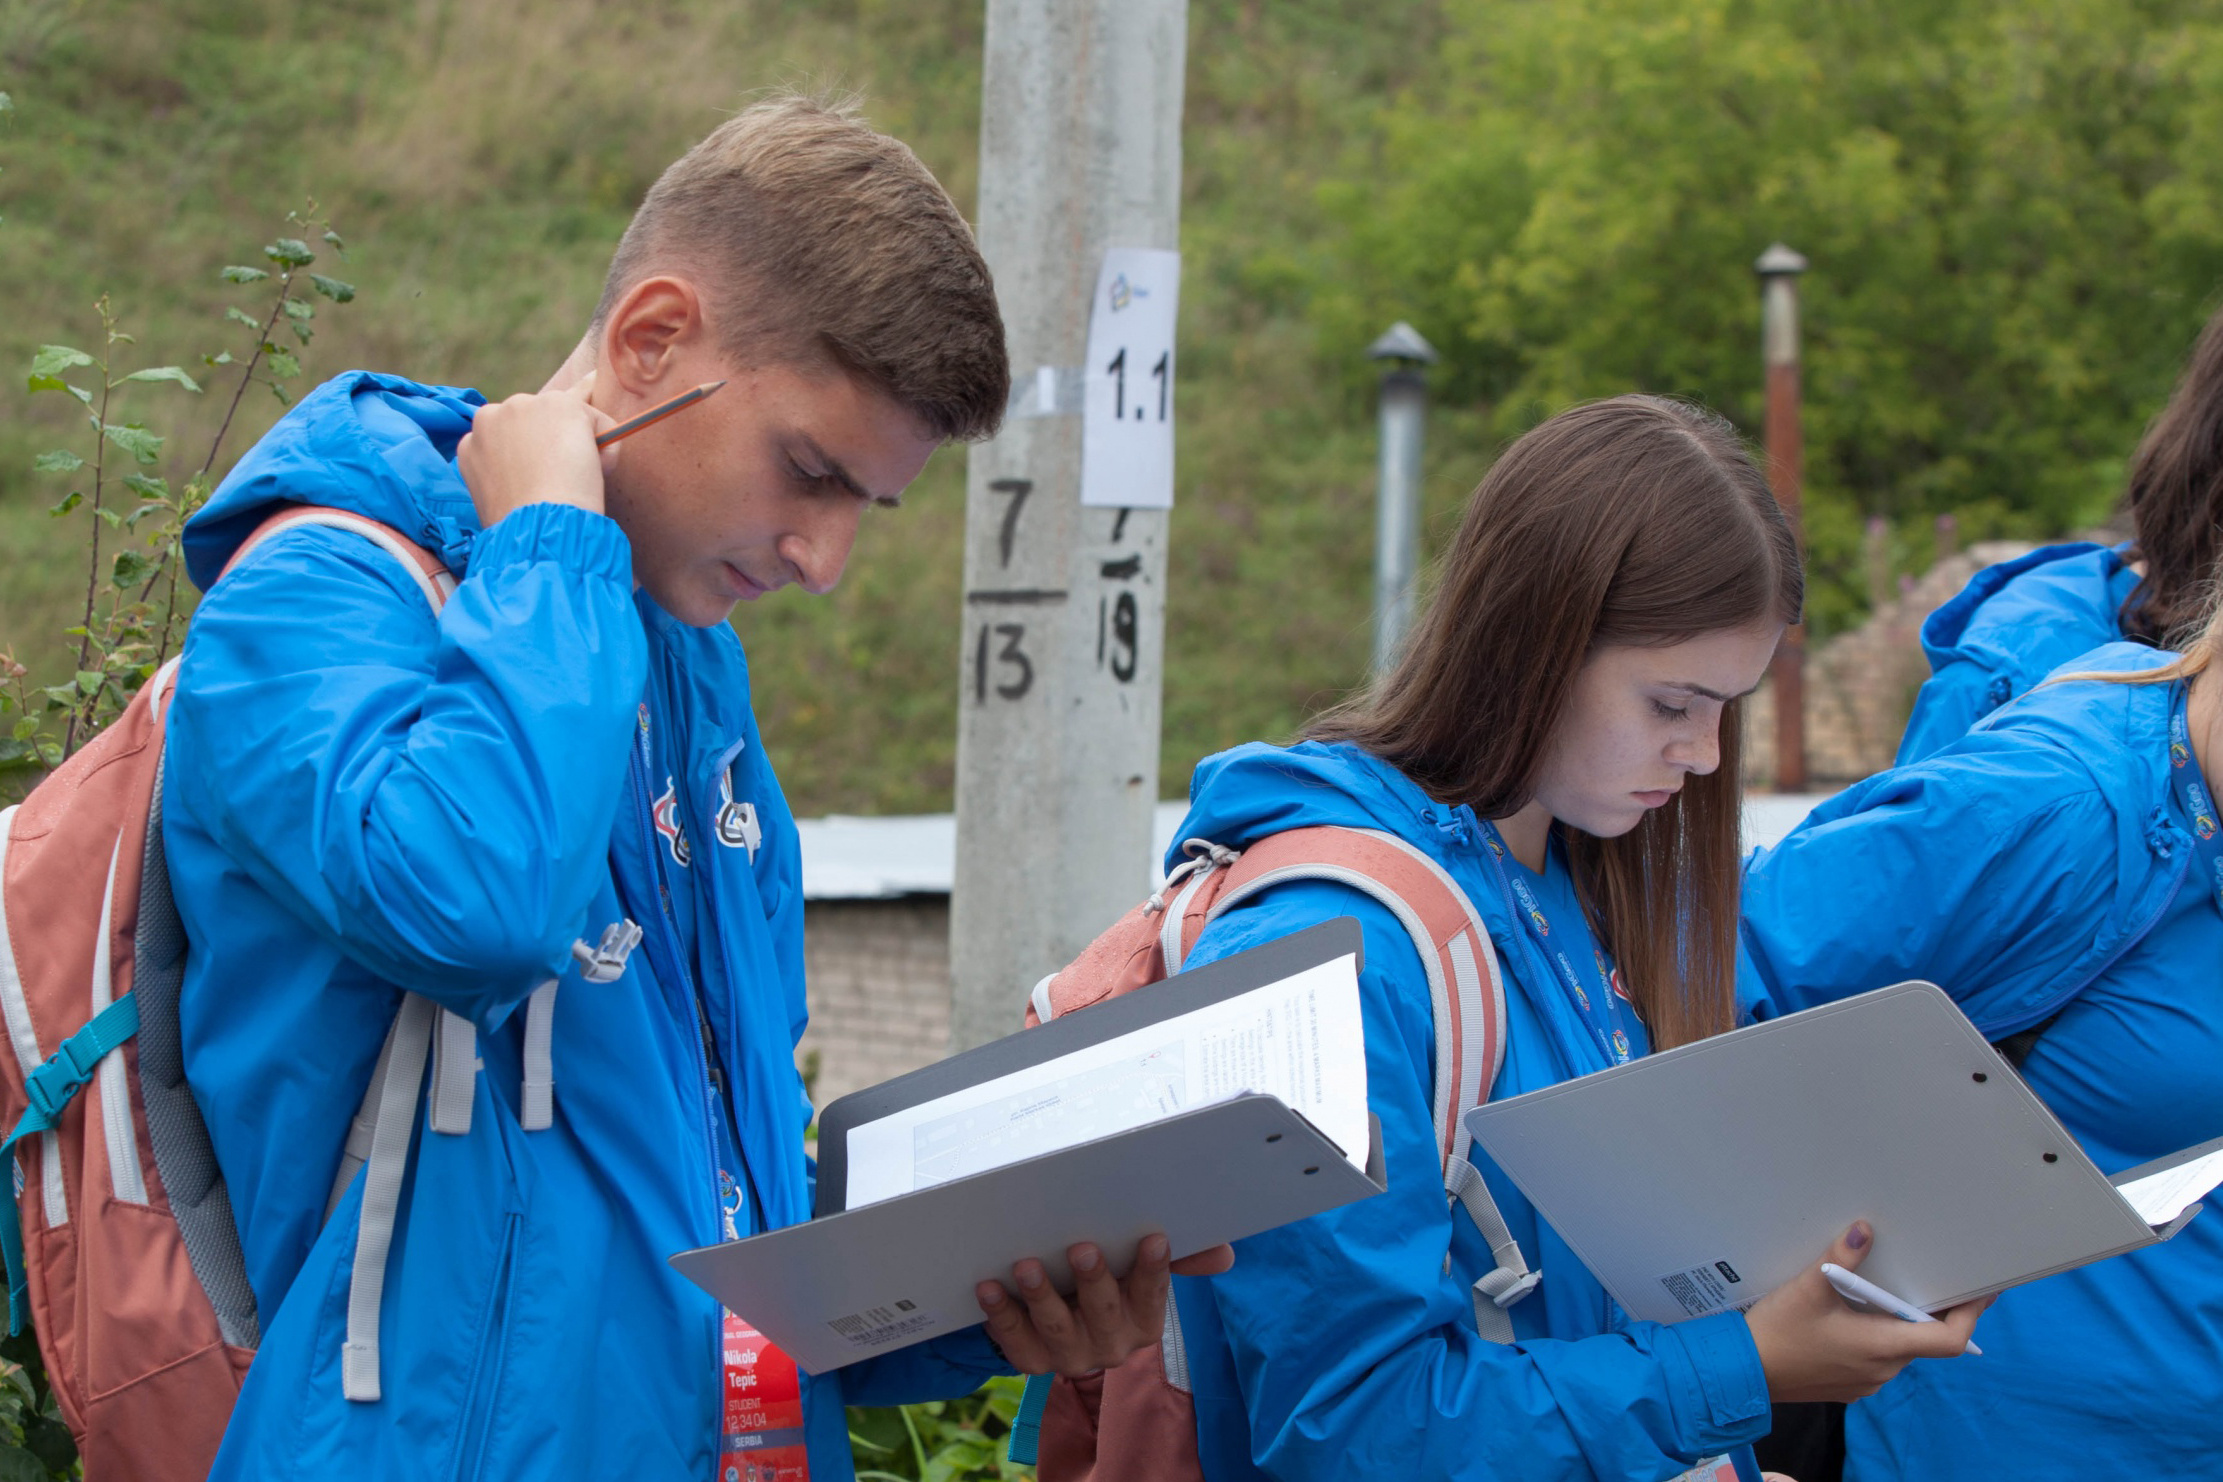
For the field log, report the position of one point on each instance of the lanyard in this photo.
(1600, 1012)
(666, 835)
(2198, 806)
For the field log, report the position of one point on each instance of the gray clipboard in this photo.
(854, 1283)
(1269, 962)
(887, 1275)
(1701, 1178)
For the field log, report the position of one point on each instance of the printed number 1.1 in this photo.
(1117, 370)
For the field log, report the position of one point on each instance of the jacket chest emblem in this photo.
(668, 825)
(737, 826)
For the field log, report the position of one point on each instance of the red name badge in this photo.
(763, 1411)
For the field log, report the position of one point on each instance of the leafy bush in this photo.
(35, 1445)
(946, 1441)
(133, 617)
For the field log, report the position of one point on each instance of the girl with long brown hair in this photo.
(2016, 622)
(1560, 737)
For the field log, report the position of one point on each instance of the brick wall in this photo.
(879, 990)
(1860, 685)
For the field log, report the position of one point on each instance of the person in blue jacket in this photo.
(1560, 730)
(2016, 622)
(363, 797)
(2058, 871)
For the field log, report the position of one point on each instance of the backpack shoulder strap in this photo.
(384, 1123)
(430, 573)
(1465, 987)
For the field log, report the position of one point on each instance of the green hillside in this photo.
(2011, 209)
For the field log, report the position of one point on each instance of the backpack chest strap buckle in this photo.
(55, 1084)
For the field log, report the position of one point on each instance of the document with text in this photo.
(1300, 1039)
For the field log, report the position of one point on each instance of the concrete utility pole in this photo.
(1404, 414)
(1064, 618)
(1779, 268)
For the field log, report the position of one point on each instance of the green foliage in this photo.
(2010, 210)
(35, 1444)
(133, 616)
(944, 1441)
(489, 156)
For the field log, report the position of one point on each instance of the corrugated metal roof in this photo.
(850, 858)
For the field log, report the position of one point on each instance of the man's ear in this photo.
(647, 334)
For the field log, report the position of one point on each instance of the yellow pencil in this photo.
(656, 414)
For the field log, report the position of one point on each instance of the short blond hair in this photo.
(827, 243)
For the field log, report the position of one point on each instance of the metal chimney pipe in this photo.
(1404, 414)
(1779, 268)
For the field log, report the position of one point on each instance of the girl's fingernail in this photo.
(989, 1293)
(1857, 1237)
(1155, 1248)
(1087, 1258)
(1030, 1277)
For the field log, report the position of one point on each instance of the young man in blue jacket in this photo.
(365, 796)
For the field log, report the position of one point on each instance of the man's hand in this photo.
(536, 448)
(1815, 1347)
(1104, 1321)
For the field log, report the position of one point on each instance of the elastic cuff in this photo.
(1719, 1390)
(588, 543)
(972, 1349)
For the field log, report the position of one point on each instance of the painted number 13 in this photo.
(1117, 370)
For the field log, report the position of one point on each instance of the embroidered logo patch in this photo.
(668, 824)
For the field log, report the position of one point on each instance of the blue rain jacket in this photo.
(2012, 625)
(362, 799)
(1344, 1346)
(2041, 865)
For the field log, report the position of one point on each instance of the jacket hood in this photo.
(378, 446)
(2005, 609)
(2014, 866)
(1242, 795)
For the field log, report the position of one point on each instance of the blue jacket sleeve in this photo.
(1352, 1333)
(1961, 693)
(435, 797)
(1987, 870)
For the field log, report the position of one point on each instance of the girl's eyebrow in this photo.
(1699, 689)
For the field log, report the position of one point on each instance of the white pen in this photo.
(1861, 1289)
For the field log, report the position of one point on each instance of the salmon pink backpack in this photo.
(119, 1241)
(1137, 1423)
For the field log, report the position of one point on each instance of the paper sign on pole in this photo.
(1127, 424)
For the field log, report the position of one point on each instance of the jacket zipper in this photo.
(486, 1371)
